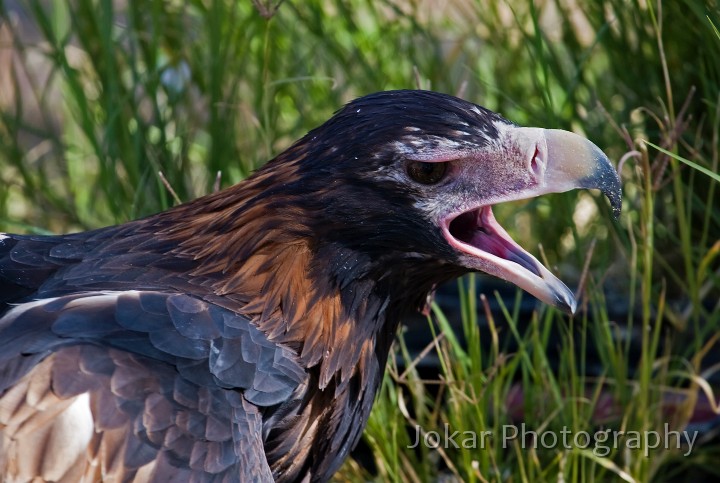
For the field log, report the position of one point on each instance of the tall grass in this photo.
(666, 267)
(99, 97)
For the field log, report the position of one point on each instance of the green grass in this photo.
(97, 102)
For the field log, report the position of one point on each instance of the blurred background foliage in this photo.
(98, 97)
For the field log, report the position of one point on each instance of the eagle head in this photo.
(406, 177)
(242, 336)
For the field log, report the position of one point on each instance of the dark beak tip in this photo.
(615, 198)
(564, 299)
(569, 306)
(572, 308)
(613, 191)
(607, 180)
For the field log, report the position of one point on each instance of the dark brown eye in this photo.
(426, 173)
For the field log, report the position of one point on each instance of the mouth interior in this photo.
(478, 229)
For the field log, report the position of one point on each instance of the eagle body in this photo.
(243, 336)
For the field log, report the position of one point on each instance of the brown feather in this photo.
(270, 310)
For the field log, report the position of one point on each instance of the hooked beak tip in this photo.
(569, 306)
(562, 296)
(575, 162)
(604, 178)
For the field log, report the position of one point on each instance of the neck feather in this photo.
(255, 247)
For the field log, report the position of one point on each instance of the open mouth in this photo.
(487, 247)
(544, 161)
(477, 230)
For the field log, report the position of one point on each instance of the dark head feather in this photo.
(326, 247)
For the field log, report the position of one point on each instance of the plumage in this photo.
(242, 336)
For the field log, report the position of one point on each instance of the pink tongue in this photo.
(487, 237)
(490, 243)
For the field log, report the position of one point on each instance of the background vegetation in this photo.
(97, 97)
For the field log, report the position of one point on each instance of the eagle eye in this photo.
(426, 173)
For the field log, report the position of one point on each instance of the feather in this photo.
(243, 336)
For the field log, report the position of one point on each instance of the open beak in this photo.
(558, 161)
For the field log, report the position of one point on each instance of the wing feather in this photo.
(168, 387)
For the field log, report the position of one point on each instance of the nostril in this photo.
(535, 164)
